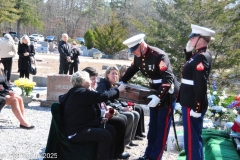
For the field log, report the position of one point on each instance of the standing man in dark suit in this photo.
(64, 49)
(193, 91)
(155, 65)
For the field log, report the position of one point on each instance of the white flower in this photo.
(235, 111)
(224, 109)
(215, 93)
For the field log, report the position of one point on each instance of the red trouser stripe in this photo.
(165, 133)
(189, 133)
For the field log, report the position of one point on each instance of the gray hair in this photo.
(64, 34)
(26, 38)
(78, 78)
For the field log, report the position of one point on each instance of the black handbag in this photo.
(32, 69)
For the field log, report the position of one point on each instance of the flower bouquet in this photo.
(25, 85)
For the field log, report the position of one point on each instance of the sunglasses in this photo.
(74, 44)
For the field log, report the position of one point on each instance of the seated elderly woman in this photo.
(15, 101)
(80, 120)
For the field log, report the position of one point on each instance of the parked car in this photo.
(51, 39)
(80, 40)
(36, 37)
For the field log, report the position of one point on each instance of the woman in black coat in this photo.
(75, 52)
(119, 122)
(80, 120)
(25, 52)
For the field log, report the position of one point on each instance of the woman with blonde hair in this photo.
(25, 51)
(107, 83)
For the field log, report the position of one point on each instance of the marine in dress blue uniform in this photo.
(193, 90)
(155, 65)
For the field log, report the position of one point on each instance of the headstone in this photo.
(51, 47)
(56, 85)
(84, 51)
(97, 55)
(42, 49)
(44, 44)
(123, 54)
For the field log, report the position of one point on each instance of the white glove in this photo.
(194, 114)
(155, 100)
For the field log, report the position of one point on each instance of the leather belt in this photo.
(186, 81)
(155, 80)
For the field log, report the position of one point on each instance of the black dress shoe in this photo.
(124, 155)
(133, 144)
(25, 127)
(142, 135)
(138, 138)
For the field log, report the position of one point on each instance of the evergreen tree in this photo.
(89, 39)
(7, 11)
(109, 38)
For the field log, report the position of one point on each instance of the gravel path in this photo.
(23, 144)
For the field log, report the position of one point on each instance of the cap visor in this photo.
(132, 49)
(193, 35)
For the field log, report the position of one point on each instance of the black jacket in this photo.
(197, 69)
(104, 85)
(79, 108)
(64, 49)
(75, 53)
(24, 61)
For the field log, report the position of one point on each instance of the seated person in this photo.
(106, 84)
(139, 109)
(15, 101)
(118, 122)
(80, 120)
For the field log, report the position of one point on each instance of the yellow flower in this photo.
(25, 84)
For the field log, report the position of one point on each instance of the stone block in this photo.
(171, 142)
(14, 77)
(97, 55)
(40, 81)
(57, 85)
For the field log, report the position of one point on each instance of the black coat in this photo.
(197, 69)
(75, 53)
(24, 61)
(79, 108)
(64, 49)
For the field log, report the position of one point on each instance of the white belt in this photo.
(155, 81)
(186, 81)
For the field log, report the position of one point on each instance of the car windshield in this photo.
(80, 39)
(35, 35)
(50, 37)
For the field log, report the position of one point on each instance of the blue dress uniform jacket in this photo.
(197, 70)
(156, 67)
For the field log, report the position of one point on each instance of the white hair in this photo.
(26, 38)
(64, 34)
(79, 78)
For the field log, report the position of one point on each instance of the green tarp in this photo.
(217, 146)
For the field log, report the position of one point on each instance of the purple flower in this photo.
(232, 104)
(214, 86)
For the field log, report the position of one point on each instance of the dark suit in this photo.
(193, 95)
(64, 49)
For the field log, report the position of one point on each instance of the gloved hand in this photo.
(194, 114)
(155, 100)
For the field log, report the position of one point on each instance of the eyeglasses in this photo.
(74, 44)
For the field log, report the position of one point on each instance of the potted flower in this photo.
(26, 87)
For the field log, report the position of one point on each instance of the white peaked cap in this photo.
(203, 31)
(135, 40)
